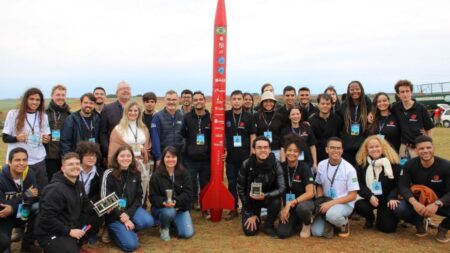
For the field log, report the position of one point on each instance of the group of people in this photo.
(310, 167)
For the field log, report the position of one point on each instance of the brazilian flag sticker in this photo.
(221, 30)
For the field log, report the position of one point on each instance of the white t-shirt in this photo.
(345, 181)
(33, 145)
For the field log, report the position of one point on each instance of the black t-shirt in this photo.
(270, 121)
(352, 142)
(390, 129)
(147, 119)
(308, 111)
(243, 126)
(306, 133)
(436, 177)
(412, 120)
(284, 112)
(297, 178)
(323, 130)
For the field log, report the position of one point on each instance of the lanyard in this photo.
(87, 126)
(238, 123)
(373, 170)
(291, 179)
(20, 185)
(356, 113)
(199, 122)
(381, 125)
(334, 175)
(295, 132)
(34, 122)
(56, 119)
(134, 134)
(265, 121)
(125, 183)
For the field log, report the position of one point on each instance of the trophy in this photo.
(105, 204)
(169, 194)
(256, 189)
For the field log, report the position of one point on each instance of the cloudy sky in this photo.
(160, 44)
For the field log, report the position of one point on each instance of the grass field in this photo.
(227, 236)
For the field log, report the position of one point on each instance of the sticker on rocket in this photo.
(221, 60)
(221, 70)
(221, 30)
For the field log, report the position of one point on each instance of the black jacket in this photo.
(10, 194)
(56, 118)
(389, 186)
(182, 189)
(110, 117)
(94, 194)
(190, 130)
(269, 173)
(72, 132)
(133, 192)
(61, 205)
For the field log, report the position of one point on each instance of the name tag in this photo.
(122, 204)
(355, 129)
(302, 156)
(237, 141)
(200, 139)
(92, 139)
(290, 197)
(332, 193)
(56, 135)
(137, 150)
(268, 135)
(403, 160)
(381, 136)
(376, 188)
(34, 140)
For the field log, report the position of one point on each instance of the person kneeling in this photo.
(260, 184)
(171, 195)
(125, 180)
(298, 204)
(336, 179)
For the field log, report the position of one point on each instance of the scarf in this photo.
(378, 165)
(60, 109)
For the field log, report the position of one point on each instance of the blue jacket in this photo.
(166, 131)
(9, 192)
(72, 132)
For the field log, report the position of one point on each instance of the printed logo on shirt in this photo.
(413, 117)
(228, 123)
(297, 178)
(153, 125)
(436, 179)
(304, 133)
(311, 179)
(179, 122)
(12, 195)
(391, 124)
(355, 180)
(134, 180)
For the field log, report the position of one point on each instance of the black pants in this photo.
(41, 174)
(386, 219)
(302, 213)
(5, 242)
(53, 166)
(273, 206)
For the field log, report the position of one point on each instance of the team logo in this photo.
(221, 60)
(436, 179)
(221, 70)
(242, 124)
(221, 30)
(391, 124)
(413, 117)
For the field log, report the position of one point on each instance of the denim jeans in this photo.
(128, 240)
(181, 219)
(232, 175)
(200, 172)
(337, 215)
(405, 211)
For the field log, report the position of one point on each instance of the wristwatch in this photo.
(439, 203)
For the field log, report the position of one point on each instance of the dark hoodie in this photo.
(10, 194)
(61, 205)
(269, 173)
(191, 124)
(56, 117)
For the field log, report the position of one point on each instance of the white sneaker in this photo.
(164, 234)
(306, 231)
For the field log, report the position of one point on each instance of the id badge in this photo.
(22, 212)
(332, 193)
(377, 189)
(200, 139)
(403, 160)
(302, 156)
(92, 139)
(290, 197)
(137, 150)
(268, 135)
(381, 136)
(355, 129)
(34, 140)
(237, 141)
(56, 135)
(122, 204)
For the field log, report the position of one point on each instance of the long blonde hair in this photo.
(123, 123)
(387, 151)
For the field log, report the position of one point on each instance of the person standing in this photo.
(289, 103)
(378, 172)
(171, 176)
(27, 127)
(57, 112)
(335, 103)
(260, 184)
(337, 180)
(100, 99)
(186, 101)
(248, 104)
(304, 95)
(430, 175)
(82, 125)
(240, 131)
(197, 155)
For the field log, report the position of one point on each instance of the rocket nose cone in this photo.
(221, 15)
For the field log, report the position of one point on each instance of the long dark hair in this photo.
(23, 108)
(162, 166)
(350, 104)
(116, 172)
(376, 112)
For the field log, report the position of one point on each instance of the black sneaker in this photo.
(421, 229)
(270, 231)
(441, 235)
(29, 247)
(368, 224)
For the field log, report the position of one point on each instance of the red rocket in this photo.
(215, 197)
